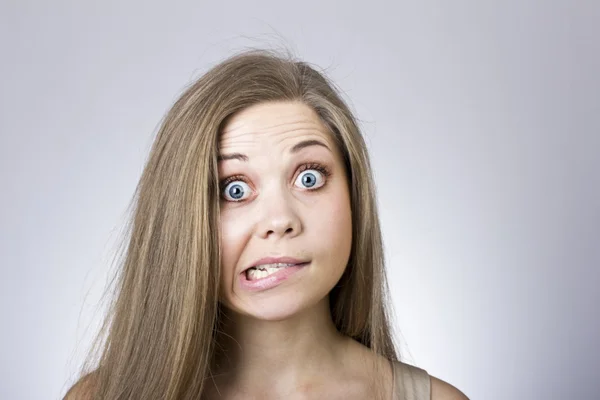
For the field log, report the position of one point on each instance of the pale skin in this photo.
(281, 342)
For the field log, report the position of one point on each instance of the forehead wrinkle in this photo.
(273, 121)
(245, 144)
(308, 126)
(229, 138)
(309, 134)
(239, 138)
(301, 120)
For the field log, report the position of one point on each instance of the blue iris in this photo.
(236, 192)
(311, 181)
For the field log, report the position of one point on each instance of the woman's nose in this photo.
(279, 218)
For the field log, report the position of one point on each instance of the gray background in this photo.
(482, 119)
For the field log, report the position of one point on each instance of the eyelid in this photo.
(226, 181)
(322, 169)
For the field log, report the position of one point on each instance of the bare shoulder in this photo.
(441, 390)
(83, 389)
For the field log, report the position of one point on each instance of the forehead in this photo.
(277, 124)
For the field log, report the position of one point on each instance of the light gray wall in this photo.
(483, 123)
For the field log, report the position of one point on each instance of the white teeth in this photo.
(260, 271)
(275, 265)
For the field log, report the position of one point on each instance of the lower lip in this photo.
(272, 280)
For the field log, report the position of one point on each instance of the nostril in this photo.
(288, 230)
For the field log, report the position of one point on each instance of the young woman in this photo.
(254, 267)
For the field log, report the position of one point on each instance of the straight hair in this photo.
(162, 322)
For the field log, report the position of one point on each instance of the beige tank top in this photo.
(410, 382)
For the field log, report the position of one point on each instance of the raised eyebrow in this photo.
(296, 148)
(307, 143)
(232, 156)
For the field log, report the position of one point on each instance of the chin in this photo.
(276, 308)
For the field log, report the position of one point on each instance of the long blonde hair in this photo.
(160, 327)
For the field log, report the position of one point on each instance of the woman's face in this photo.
(284, 194)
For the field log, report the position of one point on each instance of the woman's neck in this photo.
(254, 355)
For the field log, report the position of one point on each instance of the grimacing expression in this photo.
(284, 192)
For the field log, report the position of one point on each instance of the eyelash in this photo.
(304, 167)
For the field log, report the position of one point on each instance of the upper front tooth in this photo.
(275, 265)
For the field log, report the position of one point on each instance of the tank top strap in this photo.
(410, 382)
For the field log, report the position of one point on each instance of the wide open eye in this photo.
(310, 179)
(236, 191)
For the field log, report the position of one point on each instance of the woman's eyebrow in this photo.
(296, 148)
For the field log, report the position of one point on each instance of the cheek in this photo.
(234, 235)
(333, 223)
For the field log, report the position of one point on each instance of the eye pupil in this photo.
(309, 180)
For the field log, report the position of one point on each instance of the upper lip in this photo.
(274, 260)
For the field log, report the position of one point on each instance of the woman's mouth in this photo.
(262, 271)
(266, 276)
